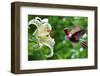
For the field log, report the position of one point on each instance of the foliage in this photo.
(63, 49)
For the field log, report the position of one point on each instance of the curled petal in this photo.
(49, 43)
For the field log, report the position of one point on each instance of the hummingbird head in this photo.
(66, 31)
(68, 34)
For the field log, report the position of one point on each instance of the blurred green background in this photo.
(63, 49)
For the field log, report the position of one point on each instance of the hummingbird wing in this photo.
(77, 35)
(75, 29)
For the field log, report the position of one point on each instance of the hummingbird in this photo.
(74, 35)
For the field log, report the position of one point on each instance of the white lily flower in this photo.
(42, 33)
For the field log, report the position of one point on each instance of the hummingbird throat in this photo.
(69, 35)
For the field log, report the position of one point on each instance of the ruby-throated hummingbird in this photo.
(74, 35)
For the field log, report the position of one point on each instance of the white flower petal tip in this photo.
(45, 20)
(51, 54)
(42, 35)
(36, 21)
